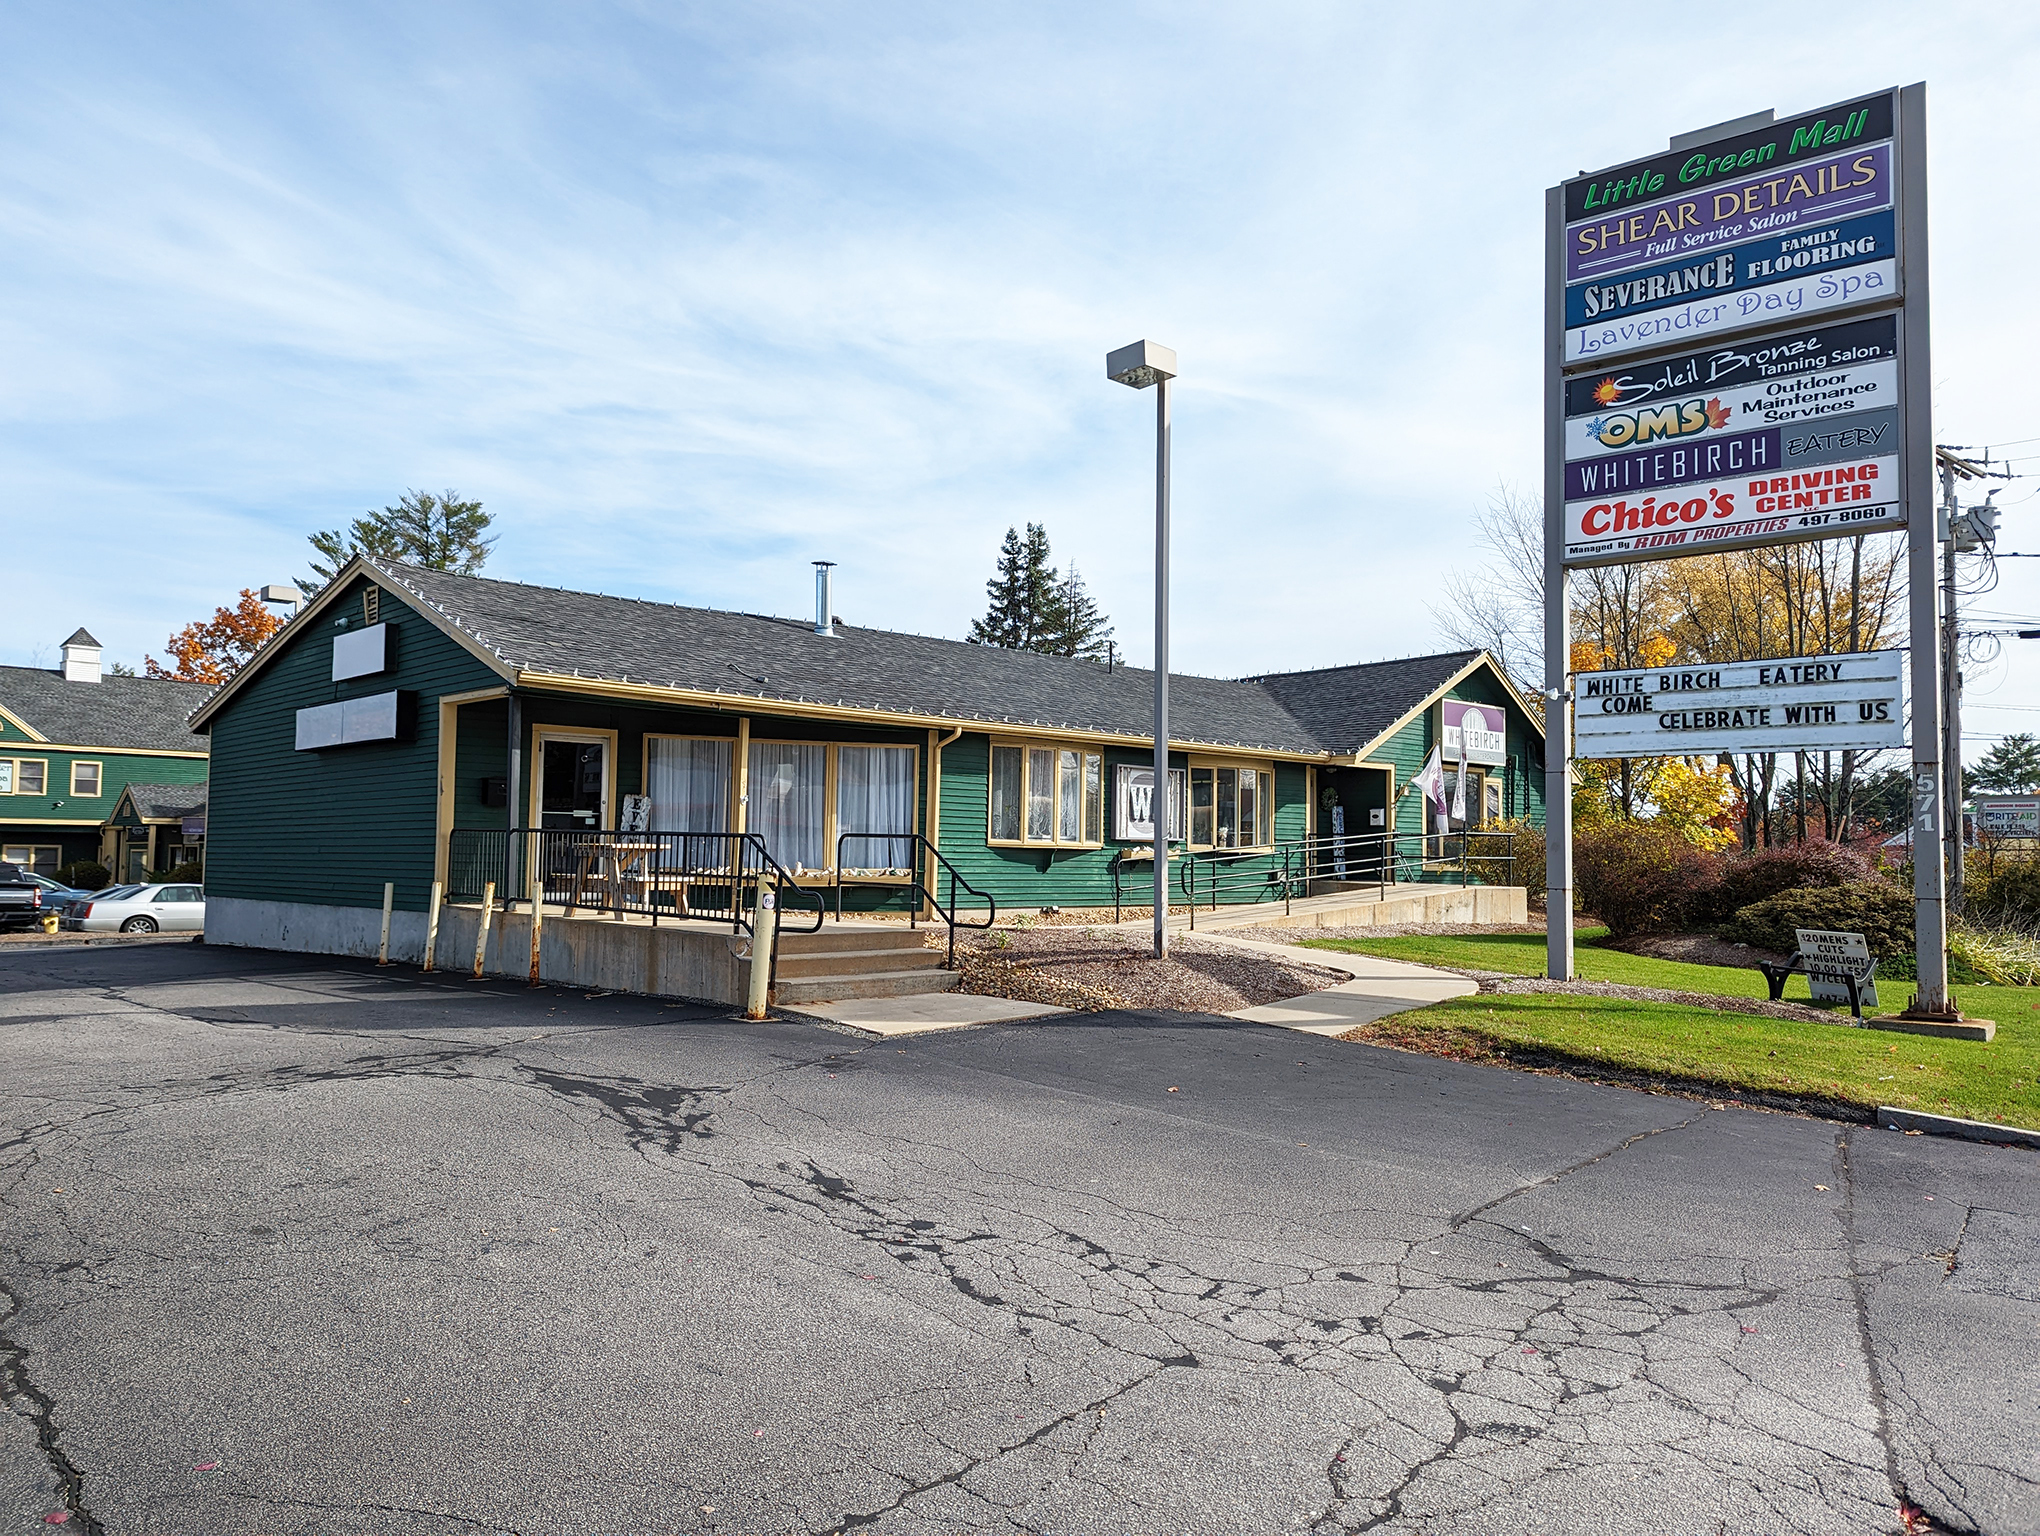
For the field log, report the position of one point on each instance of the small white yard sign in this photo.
(1825, 950)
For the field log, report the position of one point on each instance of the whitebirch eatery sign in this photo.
(1795, 703)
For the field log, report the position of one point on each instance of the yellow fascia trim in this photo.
(727, 703)
(96, 750)
(20, 724)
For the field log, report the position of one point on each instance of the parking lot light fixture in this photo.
(1137, 366)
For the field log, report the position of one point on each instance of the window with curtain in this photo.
(1050, 795)
(788, 780)
(1008, 777)
(875, 793)
(689, 784)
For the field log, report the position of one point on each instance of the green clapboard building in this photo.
(406, 710)
(73, 739)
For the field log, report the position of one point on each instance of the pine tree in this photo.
(443, 532)
(2011, 767)
(1025, 598)
(1078, 627)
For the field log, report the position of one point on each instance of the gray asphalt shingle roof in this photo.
(753, 657)
(1347, 707)
(154, 801)
(143, 713)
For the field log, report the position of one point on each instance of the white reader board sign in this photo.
(1789, 704)
(1825, 950)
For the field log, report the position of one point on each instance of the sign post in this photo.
(1737, 356)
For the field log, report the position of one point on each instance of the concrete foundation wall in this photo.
(1448, 904)
(581, 952)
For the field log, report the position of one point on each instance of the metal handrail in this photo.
(1309, 860)
(632, 868)
(921, 845)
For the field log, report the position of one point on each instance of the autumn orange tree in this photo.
(213, 650)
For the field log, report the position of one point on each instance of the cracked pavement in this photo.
(295, 1246)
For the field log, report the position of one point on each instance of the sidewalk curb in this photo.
(1893, 1119)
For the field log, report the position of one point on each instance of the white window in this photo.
(875, 797)
(85, 780)
(1047, 794)
(689, 781)
(1231, 807)
(36, 858)
(788, 799)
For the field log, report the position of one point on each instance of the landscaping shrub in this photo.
(1878, 910)
(85, 875)
(191, 873)
(2007, 894)
(1767, 872)
(1528, 869)
(1638, 877)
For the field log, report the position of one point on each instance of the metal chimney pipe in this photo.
(824, 624)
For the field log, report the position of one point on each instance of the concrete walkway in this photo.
(1379, 988)
(922, 1012)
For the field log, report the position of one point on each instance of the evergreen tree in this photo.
(2012, 767)
(1024, 610)
(443, 532)
(1078, 627)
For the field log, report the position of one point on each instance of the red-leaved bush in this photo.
(1637, 877)
(1766, 872)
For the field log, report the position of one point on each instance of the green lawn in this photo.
(1728, 1052)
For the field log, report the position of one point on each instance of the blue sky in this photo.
(690, 296)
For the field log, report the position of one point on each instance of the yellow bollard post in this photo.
(482, 928)
(432, 924)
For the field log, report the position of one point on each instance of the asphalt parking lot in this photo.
(299, 1246)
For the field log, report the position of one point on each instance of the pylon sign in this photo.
(1736, 355)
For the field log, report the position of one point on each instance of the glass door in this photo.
(573, 786)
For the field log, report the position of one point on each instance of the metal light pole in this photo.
(1137, 366)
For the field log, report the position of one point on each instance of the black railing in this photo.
(708, 875)
(921, 878)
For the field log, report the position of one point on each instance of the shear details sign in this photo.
(1792, 704)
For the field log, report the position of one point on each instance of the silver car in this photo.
(140, 909)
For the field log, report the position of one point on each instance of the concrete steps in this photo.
(836, 989)
(843, 961)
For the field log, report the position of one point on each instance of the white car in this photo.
(141, 909)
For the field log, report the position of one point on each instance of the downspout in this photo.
(935, 747)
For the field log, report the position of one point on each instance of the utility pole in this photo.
(1951, 691)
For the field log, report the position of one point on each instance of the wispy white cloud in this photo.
(691, 295)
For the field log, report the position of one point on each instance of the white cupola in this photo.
(81, 659)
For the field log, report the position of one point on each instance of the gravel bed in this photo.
(1496, 981)
(1094, 968)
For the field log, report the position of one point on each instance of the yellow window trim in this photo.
(1025, 744)
(737, 813)
(1259, 765)
(21, 763)
(98, 768)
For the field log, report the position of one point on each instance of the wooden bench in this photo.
(1852, 978)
